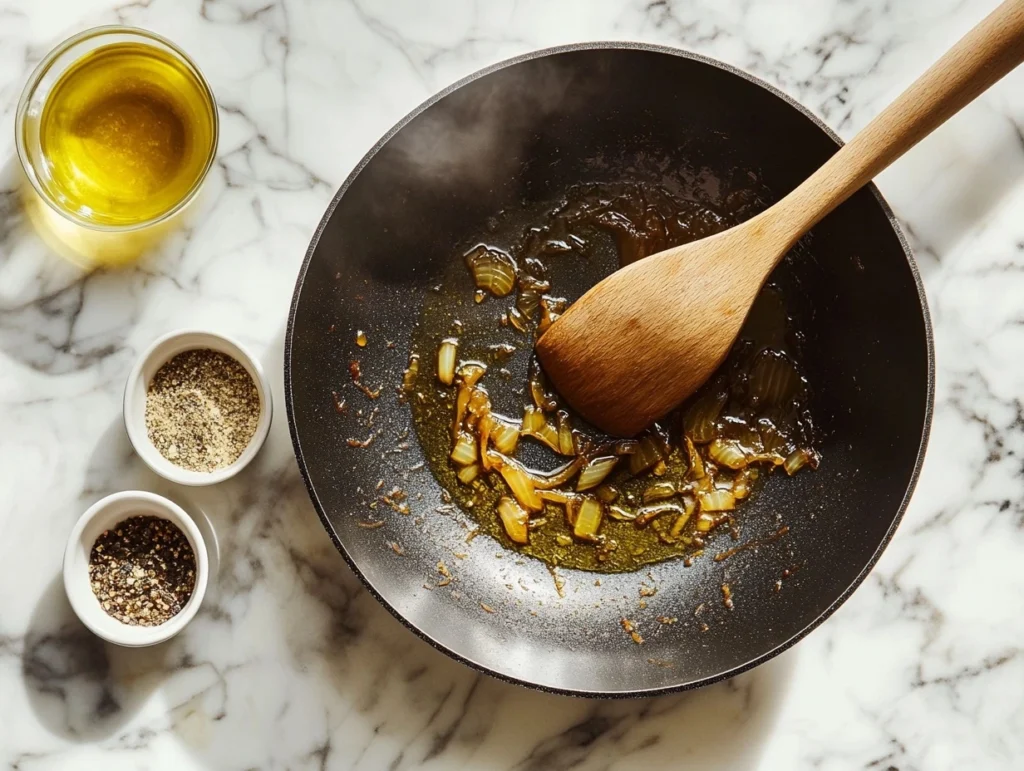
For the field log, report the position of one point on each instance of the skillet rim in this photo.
(925, 317)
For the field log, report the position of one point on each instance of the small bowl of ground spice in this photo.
(135, 568)
(197, 407)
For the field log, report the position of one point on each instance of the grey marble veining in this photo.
(291, 664)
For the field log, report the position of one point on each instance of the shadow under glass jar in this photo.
(116, 131)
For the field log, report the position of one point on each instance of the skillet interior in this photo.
(524, 132)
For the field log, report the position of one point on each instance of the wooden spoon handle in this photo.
(979, 59)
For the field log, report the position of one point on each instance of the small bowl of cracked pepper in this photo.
(135, 568)
(197, 407)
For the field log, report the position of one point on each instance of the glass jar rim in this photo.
(40, 72)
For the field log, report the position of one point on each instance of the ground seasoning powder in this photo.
(142, 571)
(202, 408)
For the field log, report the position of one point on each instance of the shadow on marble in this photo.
(953, 182)
(58, 313)
(38, 289)
(81, 688)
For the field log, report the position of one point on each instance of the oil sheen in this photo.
(607, 225)
(127, 133)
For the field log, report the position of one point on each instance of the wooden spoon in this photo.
(646, 337)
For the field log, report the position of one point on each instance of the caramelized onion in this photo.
(483, 429)
(773, 379)
(446, 360)
(470, 372)
(530, 291)
(659, 491)
(700, 420)
(647, 455)
(479, 403)
(519, 482)
(550, 309)
(742, 483)
(546, 434)
(754, 411)
(533, 420)
(689, 506)
(461, 405)
(518, 320)
(565, 443)
(555, 496)
(541, 398)
(696, 462)
(464, 452)
(493, 270)
(595, 471)
(515, 519)
(705, 522)
(505, 436)
(728, 453)
(468, 473)
(625, 447)
(798, 459)
(716, 500)
(621, 514)
(588, 519)
(648, 513)
(773, 443)
(411, 370)
(528, 302)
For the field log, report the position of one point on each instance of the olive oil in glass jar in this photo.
(116, 131)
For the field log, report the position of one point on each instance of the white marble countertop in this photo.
(293, 664)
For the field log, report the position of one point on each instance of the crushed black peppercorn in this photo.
(142, 571)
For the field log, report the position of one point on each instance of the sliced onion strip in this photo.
(493, 270)
(700, 420)
(646, 514)
(622, 514)
(798, 459)
(464, 452)
(689, 506)
(717, 500)
(728, 453)
(565, 443)
(483, 437)
(588, 519)
(646, 456)
(470, 372)
(659, 491)
(595, 471)
(696, 462)
(518, 480)
(467, 474)
(505, 436)
(515, 519)
(446, 360)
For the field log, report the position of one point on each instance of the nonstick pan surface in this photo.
(523, 132)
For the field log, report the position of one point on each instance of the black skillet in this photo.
(525, 131)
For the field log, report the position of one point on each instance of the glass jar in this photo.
(110, 168)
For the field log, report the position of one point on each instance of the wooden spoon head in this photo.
(649, 335)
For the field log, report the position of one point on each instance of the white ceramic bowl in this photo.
(103, 515)
(159, 353)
